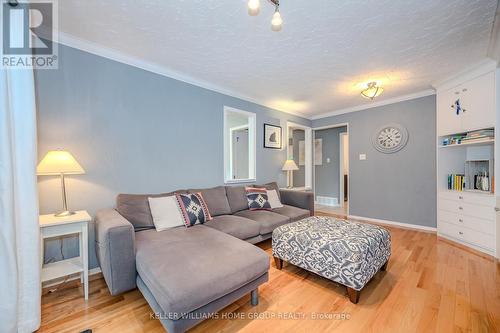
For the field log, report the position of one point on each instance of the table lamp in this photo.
(60, 163)
(289, 167)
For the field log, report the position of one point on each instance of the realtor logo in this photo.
(29, 33)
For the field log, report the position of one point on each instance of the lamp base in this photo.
(64, 214)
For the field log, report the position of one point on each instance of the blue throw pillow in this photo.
(194, 209)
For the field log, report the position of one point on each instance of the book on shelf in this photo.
(456, 182)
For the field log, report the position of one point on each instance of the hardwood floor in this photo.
(430, 285)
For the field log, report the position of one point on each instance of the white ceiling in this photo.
(318, 63)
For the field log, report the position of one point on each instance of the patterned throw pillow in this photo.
(193, 208)
(257, 198)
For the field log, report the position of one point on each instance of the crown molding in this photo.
(423, 93)
(112, 54)
(484, 66)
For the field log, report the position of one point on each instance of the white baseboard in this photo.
(55, 282)
(394, 224)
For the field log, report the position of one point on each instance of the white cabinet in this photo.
(468, 218)
(449, 122)
(477, 99)
(479, 102)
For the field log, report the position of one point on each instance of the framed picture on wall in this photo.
(272, 136)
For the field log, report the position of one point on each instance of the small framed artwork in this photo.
(272, 136)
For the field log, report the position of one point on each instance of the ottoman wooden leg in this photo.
(353, 295)
(278, 262)
(384, 268)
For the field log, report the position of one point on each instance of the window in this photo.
(239, 146)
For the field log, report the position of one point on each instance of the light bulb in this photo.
(253, 7)
(277, 21)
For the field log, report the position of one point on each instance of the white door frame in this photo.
(349, 178)
(308, 150)
(342, 138)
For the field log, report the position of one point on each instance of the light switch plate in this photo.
(362, 157)
(328, 160)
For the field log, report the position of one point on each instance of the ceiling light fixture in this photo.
(372, 91)
(276, 21)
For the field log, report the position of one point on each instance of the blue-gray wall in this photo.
(134, 131)
(397, 187)
(326, 175)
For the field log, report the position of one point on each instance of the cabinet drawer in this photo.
(468, 197)
(473, 223)
(482, 212)
(466, 235)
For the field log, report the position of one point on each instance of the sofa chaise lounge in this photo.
(188, 274)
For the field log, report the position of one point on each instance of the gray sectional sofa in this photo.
(188, 274)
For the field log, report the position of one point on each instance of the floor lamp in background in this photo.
(290, 166)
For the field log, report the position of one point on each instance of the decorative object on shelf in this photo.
(272, 136)
(60, 163)
(276, 21)
(479, 136)
(372, 91)
(290, 166)
(390, 138)
(458, 107)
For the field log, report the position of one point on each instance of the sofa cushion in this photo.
(257, 198)
(274, 199)
(294, 213)
(187, 268)
(271, 186)
(235, 226)
(135, 208)
(237, 198)
(194, 209)
(268, 220)
(166, 212)
(216, 200)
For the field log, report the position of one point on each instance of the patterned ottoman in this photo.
(346, 252)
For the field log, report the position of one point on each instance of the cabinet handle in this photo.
(460, 220)
(461, 208)
(461, 197)
(460, 233)
(497, 209)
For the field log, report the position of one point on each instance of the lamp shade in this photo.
(372, 91)
(58, 162)
(290, 165)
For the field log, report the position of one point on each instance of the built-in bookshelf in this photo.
(467, 161)
(467, 115)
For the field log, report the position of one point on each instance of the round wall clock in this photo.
(390, 138)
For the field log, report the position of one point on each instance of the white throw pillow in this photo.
(274, 199)
(165, 212)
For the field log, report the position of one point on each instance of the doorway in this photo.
(299, 149)
(239, 141)
(331, 169)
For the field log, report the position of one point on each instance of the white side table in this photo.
(51, 226)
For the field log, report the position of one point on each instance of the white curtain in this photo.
(19, 231)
